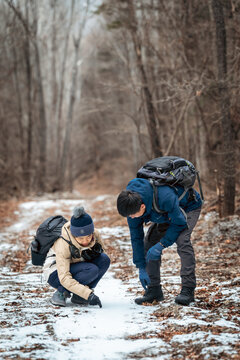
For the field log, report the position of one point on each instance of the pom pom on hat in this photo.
(78, 211)
(81, 222)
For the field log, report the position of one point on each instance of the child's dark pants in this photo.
(184, 249)
(86, 273)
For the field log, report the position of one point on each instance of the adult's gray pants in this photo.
(184, 249)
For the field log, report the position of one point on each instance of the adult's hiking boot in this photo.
(58, 299)
(153, 293)
(186, 296)
(78, 300)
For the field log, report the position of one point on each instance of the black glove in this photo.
(94, 300)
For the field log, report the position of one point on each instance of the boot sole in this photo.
(57, 304)
(79, 303)
(184, 303)
(148, 301)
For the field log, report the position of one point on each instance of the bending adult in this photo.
(174, 225)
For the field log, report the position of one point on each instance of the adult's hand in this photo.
(144, 278)
(155, 252)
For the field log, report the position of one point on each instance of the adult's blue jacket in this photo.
(174, 215)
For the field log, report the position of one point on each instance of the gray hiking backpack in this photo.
(170, 170)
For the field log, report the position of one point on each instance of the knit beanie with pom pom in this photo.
(81, 222)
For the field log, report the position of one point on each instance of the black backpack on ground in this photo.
(47, 233)
(170, 170)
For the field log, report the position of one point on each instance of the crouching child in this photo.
(76, 262)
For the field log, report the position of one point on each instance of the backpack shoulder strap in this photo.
(72, 247)
(155, 198)
(69, 242)
(200, 187)
(184, 193)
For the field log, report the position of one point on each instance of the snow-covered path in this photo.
(31, 328)
(35, 327)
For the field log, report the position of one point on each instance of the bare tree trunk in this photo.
(42, 113)
(29, 39)
(67, 139)
(19, 103)
(151, 123)
(61, 89)
(54, 85)
(43, 124)
(29, 102)
(66, 145)
(228, 162)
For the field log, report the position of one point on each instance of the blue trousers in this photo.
(86, 273)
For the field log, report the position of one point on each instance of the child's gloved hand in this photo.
(155, 252)
(144, 278)
(94, 300)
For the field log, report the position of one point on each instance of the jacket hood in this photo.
(144, 189)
